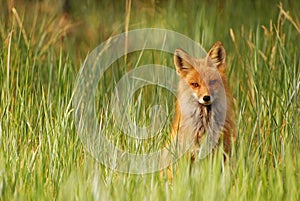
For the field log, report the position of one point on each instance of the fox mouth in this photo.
(205, 100)
(205, 103)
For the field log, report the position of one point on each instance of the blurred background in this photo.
(80, 26)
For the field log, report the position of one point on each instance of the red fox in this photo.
(203, 97)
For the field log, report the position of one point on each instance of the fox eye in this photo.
(195, 84)
(212, 82)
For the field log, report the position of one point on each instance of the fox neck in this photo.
(201, 120)
(197, 118)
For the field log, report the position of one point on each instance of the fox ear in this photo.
(217, 55)
(183, 62)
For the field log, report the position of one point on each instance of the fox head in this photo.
(203, 77)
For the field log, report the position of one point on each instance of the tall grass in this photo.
(41, 156)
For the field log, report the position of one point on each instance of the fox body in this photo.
(204, 102)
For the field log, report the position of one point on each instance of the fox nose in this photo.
(206, 98)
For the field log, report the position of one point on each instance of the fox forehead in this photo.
(204, 66)
(202, 71)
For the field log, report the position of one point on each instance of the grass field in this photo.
(42, 50)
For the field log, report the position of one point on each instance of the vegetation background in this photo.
(42, 47)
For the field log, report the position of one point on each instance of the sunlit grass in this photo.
(41, 156)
